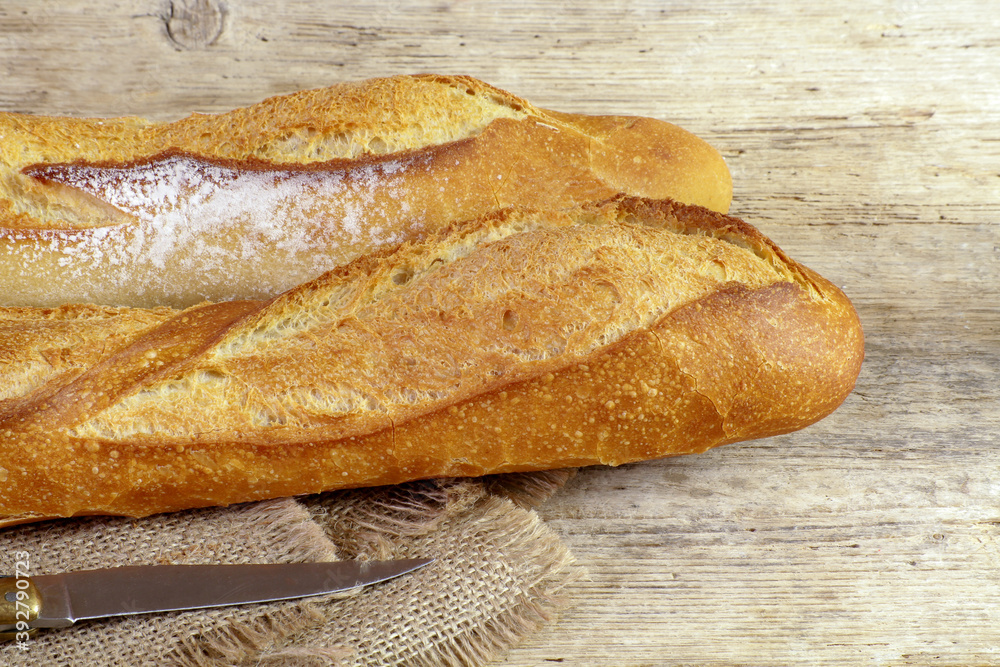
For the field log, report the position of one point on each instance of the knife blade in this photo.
(60, 600)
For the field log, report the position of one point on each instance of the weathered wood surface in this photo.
(864, 137)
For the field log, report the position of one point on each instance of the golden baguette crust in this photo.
(523, 340)
(246, 204)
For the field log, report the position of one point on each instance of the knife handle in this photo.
(20, 604)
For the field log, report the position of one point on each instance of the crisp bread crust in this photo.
(249, 203)
(525, 339)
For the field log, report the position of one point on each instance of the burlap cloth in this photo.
(498, 575)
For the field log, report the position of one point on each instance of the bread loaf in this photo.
(247, 204)
(523, 339)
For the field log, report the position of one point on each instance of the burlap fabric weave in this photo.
(498, 575)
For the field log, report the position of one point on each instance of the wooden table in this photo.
(864, 137)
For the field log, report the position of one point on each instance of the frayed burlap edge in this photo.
(410, 520)
(532, 542)
(369, 523)
(358, 520)
(528, 489)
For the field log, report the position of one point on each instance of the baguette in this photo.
(524, 339)
(247, 204)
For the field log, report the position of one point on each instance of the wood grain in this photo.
(863, 137)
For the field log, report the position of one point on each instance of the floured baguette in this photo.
(523, 340)
(246, 204)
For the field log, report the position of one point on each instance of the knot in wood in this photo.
(194, 24)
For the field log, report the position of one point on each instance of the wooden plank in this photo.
(863, 137)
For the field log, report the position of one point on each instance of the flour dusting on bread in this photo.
(249, 203)
(177, 205)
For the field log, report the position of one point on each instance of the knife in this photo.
(60, 600)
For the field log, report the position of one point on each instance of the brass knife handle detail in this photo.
(20, 604)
